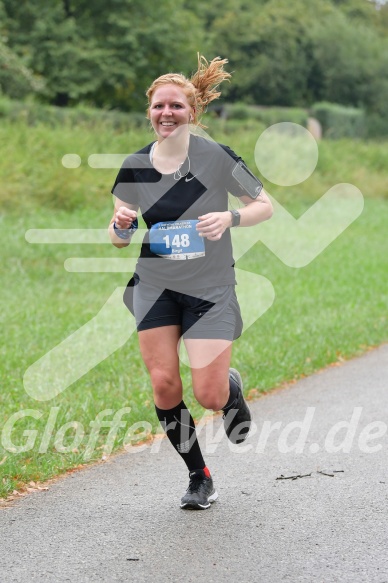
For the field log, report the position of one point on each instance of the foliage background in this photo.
(283, 53)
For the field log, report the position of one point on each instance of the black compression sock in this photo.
(232, 395)
(180, 429)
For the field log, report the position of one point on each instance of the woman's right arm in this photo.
(123, 216)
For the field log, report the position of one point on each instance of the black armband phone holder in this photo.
(248, 181)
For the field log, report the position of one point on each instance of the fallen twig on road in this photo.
(281, 477)
(296, 476)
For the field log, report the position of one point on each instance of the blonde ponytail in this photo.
(206, 81)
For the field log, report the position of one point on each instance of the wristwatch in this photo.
(235, 218)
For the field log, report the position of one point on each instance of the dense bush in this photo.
(376, 126)
(34, 113)
(339, 121)
(266, 115)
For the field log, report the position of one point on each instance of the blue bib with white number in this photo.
(176, 240)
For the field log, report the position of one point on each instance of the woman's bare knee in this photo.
(167, 388)
(214, 402)
(212, 393)
(211, 385)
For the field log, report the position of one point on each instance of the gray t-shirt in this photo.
(201, 186)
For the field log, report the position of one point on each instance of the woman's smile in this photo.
(169, 109)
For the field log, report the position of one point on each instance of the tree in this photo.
(351, 61)
(296, 53)
(269, 47)
(281, 52)
(16, 79)
(358, 10)
(105, 54)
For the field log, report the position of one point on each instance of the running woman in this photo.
(184, 283)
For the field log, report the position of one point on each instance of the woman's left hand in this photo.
(213, 225)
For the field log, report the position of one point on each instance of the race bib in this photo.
(176, 240)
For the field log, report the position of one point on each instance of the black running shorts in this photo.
(213, 312)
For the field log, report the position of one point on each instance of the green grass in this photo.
(332, 309)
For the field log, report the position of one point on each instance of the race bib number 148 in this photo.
(176, 240)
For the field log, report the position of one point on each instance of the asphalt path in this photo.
(305, 499)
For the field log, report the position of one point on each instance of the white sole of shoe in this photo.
(212, 498)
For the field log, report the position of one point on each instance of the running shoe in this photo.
(200, 493)
(237, 420)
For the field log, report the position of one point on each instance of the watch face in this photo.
(236, 218)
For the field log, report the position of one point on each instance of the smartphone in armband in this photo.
(247, 180)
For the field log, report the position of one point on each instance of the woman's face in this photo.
(169, 110)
